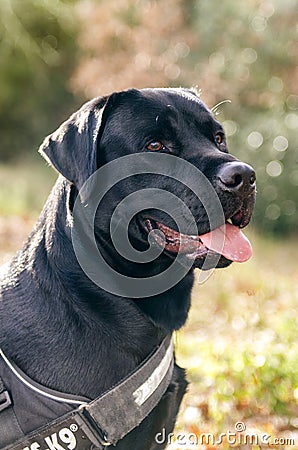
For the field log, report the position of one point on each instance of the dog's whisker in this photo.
(215, 108)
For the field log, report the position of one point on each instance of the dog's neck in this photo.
(167, 311)
(55, 320)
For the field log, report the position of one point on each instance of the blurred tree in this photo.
(130, 43)
(37, 54)
(242, 51)
(252, 60)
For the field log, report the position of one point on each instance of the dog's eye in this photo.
(220, 140)
(155, 146)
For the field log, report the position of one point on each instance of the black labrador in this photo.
(58, 326)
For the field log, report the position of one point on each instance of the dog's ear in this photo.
(72, 149)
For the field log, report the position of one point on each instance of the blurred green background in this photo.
(241, 339)
(55, 54)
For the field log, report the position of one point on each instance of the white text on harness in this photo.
(56, 441)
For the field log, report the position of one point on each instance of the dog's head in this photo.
(173, 122)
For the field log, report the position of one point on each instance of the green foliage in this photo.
(247, 53)
(37, 55)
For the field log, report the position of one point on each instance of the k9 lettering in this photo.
(63, 440)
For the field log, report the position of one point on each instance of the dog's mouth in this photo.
(227, 241)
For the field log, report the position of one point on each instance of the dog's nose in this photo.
(237, 176)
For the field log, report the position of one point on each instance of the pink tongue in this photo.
(229, 241)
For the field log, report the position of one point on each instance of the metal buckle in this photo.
(93, 426)
(103, 440)
(5, 400)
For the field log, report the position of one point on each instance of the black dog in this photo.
(60, 328)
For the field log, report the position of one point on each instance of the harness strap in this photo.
(110, 417)
(68, 432)
(124, 407)
(10, 429)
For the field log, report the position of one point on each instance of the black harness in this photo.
(33, 417)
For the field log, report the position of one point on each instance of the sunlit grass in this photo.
(24, 187)
(240, 346)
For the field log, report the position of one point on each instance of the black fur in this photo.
(56, 325)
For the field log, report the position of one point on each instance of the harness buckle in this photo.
(5, 400)
(93, 426)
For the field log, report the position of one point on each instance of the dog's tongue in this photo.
(229, 241)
